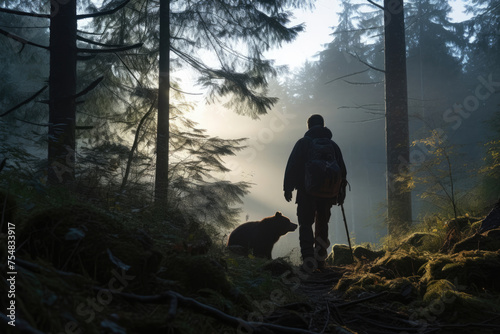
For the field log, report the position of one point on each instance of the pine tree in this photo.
(221, 28)
(435, 49)
(63, 95)
(399, 211)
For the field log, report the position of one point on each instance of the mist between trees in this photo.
(453, 75)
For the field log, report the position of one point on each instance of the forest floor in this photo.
(83, 270)
(328, 310)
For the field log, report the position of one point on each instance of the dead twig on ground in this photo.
(362, 300)
(174, 298)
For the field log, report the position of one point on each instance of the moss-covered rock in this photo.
(401, 289)
(487, 241)
(399, 264)
(340, 255)
(440, 288)
(83, 240)
(444, 300)
(457, 229)
(474, 270)
(417, 239)
(462, 224)
(354, 284)
(365, 254)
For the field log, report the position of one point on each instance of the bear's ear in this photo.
(278, 214)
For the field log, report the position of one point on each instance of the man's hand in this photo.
(341, 195)
(288, 196)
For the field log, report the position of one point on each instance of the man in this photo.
(312, 209)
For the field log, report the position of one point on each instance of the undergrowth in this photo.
(71, 253)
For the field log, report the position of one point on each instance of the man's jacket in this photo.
(295, 168)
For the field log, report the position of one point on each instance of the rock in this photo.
(340, 255)
(277, 267)
(417, 239)
(466, 269)
(487, 241)
(399, 264)
(363, 253)
(448, 302)
(440, 288)
(355, 284)
(457, 229)
(492, 220)
(461, 224)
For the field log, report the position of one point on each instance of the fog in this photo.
(453, 87)
(440, 99)
(270, 141)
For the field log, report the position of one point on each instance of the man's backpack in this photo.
(322, 171)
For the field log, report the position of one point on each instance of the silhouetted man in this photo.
(313, 208)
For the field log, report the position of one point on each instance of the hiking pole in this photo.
(347, 231)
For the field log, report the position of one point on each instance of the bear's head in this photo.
(282, 224)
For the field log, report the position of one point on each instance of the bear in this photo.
(259, 237)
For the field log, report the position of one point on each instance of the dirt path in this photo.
(371, 313)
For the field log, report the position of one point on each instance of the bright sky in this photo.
(319, 23)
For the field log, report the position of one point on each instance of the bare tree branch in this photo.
(376, 4)
(17, 12)
(86, 40)
(345, 76)
(106, 12)
(368, 64)
(134, 146)
(21, 40)
(24, 102)
(32, 123)
(110, 50)
(90, 87)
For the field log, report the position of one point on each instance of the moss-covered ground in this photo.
(81, 269)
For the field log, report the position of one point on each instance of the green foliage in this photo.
(490, 171)
(72, 253)
(83, 240)
(440, 175)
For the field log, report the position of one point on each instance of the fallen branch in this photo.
(327, 318)
(173, 298)
(362, 300)
(38, 268)
(22, 326)
(388, 327)
(337, 314)
(471, 324)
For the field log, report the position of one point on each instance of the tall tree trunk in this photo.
(62, 85)
(163, 133)
(396, 104)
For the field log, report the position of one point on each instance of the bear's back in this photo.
(244, 235)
